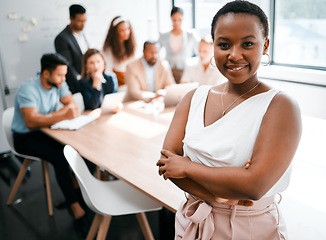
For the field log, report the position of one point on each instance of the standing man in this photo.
(147, 74)
(36, 103)
(72, 44)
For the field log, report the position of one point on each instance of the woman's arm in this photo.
(274, 149)
(91, 95)
(173, 143)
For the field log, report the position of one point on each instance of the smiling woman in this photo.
(224, 157)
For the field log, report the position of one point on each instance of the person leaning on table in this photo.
(36, 102)
(218, 130)
(95, 84)
(147, 74)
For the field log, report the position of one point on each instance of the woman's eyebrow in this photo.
(249, 36)
(222, 38)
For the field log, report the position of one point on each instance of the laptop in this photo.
(112, 101)
(174, 93)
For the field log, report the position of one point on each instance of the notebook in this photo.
(74, 124)
(112, 101)
(174, 93)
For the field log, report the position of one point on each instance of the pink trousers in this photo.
(198, 219)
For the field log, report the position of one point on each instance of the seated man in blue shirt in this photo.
(36, 107)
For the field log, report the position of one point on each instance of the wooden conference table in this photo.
(127, 145)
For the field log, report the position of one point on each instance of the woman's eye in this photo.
(223, 45)
(248, 44)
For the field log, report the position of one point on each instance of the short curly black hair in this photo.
(50, 61)
(241, 6)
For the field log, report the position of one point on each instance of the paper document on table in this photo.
(74, 124)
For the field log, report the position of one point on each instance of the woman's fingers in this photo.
(167, 153)
(247, 164)
(246, 203)
(161, 162)
(161, 166)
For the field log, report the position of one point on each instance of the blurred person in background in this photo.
(179, 44)
(200, 69)
(119, 47)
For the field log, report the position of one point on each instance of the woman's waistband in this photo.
(259, 206)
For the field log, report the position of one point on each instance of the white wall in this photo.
(20, 59)
(294, 81)
(311, 99)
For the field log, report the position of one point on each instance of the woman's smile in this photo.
(236, 68)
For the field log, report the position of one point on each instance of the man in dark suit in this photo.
(72, 44)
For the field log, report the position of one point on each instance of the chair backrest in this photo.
(84, 177)
(7, 117)
(107, 197)
(78, 98)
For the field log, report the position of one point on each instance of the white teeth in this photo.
(236, 69)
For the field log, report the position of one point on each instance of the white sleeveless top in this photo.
(230, 140)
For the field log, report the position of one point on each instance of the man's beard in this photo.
(52, 84)
(151, 61)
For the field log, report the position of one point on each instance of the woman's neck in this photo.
(243, 87)
(176, 31)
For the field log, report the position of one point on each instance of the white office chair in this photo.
(78, 98)
(110, 198)
(7, 117)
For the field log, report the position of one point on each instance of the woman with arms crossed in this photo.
(217, 130)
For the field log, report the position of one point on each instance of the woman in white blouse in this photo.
(179, 44)
(119, 47)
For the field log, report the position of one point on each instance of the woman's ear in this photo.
(266, 45)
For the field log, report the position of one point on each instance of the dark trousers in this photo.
(38, 144)
(166, 224)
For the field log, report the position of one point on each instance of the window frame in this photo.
(271, 17)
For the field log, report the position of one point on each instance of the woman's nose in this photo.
(235, 53)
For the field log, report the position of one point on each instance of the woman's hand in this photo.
(118, 108)
(97, 79)
(172, 165)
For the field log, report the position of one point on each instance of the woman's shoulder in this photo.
(109, 75)
(164, 35)
(107, 52)
(284, 106)
(197, 93)
(283, 99)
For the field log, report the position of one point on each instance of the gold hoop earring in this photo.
(210, 61)
(269, 60)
